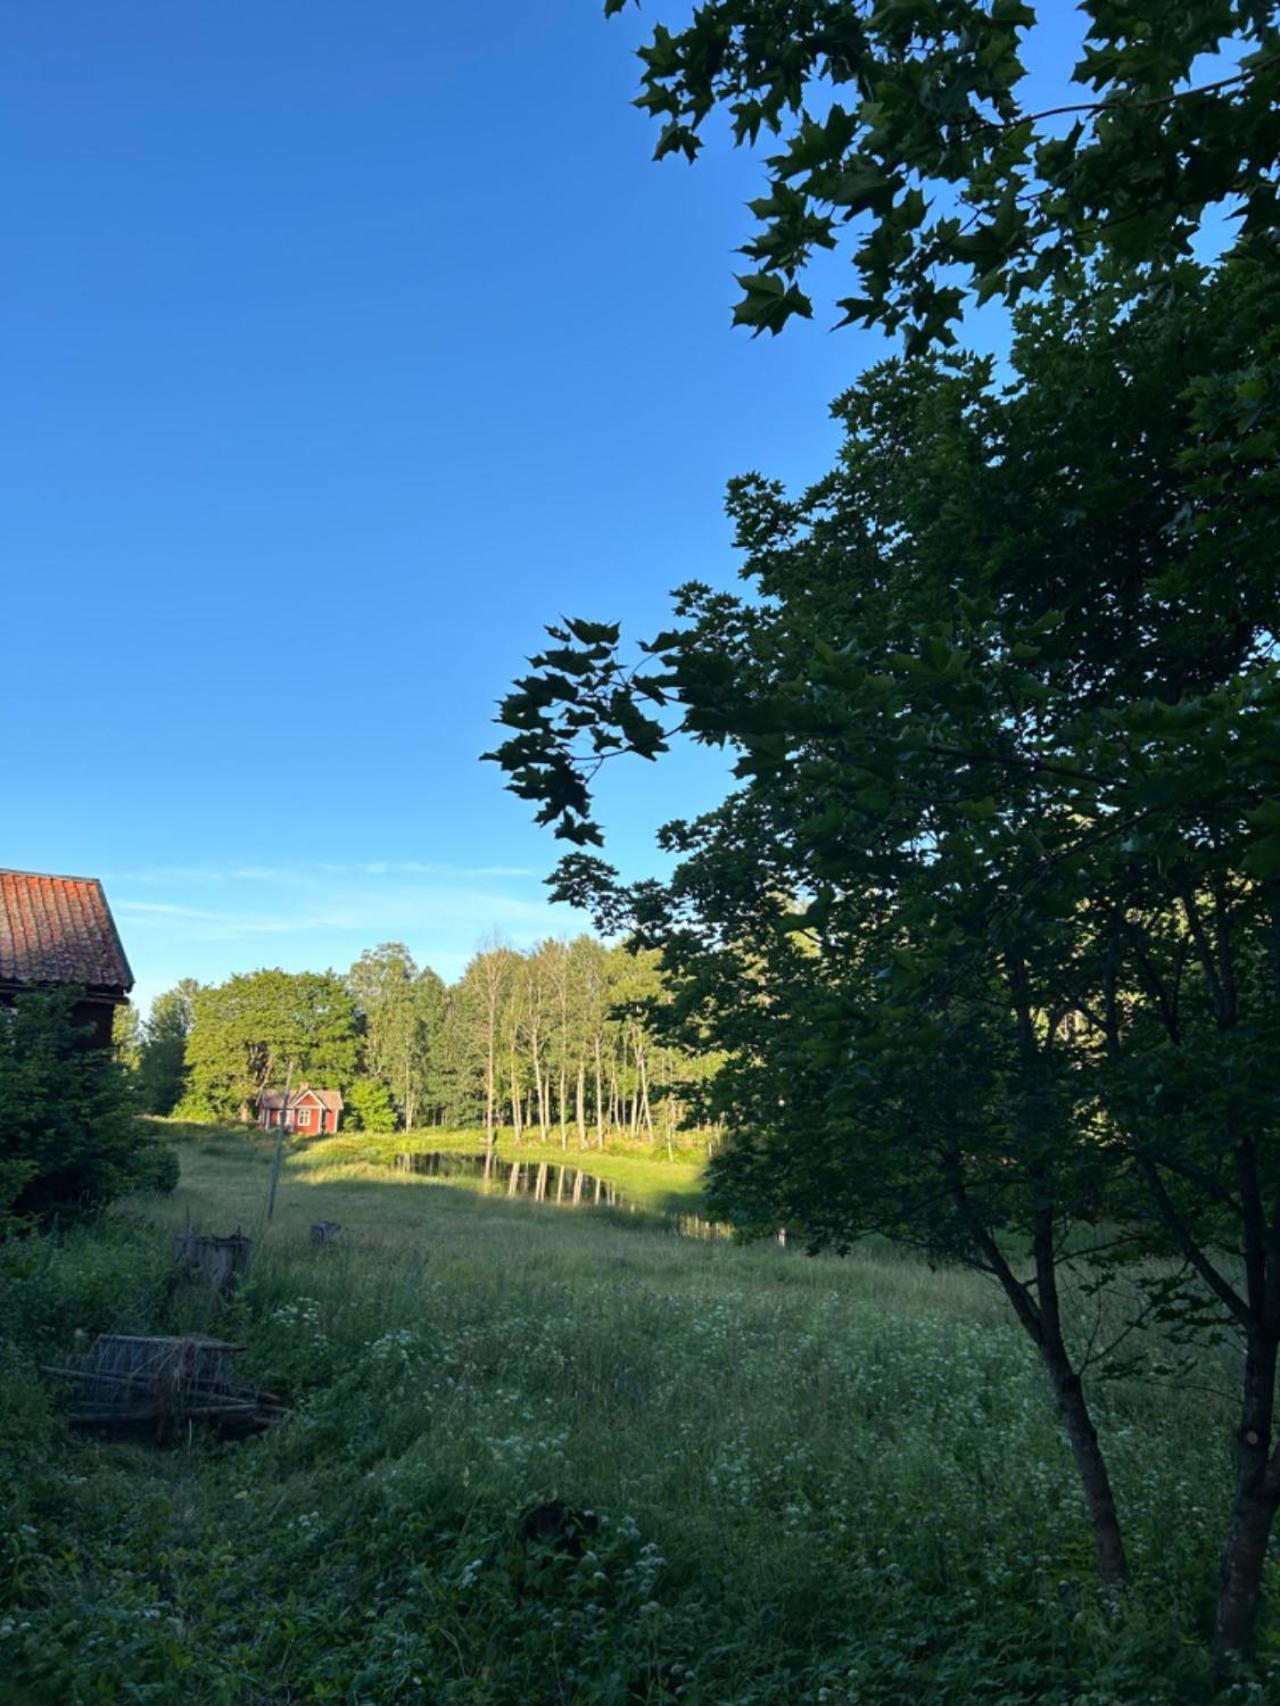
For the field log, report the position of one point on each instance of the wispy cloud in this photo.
(207, 921)
(442, 911)
(314, 871)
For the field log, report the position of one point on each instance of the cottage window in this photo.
(304, 1116)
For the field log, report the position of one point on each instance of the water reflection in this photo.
(545, 1181)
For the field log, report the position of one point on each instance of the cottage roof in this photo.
(59, 930)
(331, 1099)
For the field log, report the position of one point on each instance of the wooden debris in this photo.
(325, 1231)
(130, 1386)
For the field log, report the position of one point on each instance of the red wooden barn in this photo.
(58, 931)
(310, 1112)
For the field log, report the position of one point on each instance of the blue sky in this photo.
(344, 345)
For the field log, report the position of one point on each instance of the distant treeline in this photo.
(556, 1043)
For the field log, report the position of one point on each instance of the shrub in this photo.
(368, 1107)
(155, 1167)
(68, 1143)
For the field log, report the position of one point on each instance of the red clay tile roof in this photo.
(59, 930)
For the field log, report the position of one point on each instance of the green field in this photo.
(812, 1480)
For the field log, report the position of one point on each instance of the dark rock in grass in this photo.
(559, 1527)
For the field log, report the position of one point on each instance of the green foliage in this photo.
(561, 1037)
(986, 931)
(247, 1033)
(155, 1168)
(162, 1055)
(368, 1107)
(68, 1142)
(562, 1041)
(402, 1014)
(902, 132)
(126, 1036)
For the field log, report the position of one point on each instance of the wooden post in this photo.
(275, 1165)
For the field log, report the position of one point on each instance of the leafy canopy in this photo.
(246, 1033)
(903, 133)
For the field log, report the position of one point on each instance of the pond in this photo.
(544, 1181)
(560, 1183)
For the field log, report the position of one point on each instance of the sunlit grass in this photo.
(647, 1178)
(814, 1480)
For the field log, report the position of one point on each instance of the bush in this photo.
(155, 1167)
(368, 1107)
(68, 1142)
(196, 1109)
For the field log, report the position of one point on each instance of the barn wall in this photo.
(94, 1015)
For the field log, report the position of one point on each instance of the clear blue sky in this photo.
(344, 345)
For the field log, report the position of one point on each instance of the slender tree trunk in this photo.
(563, 1109)
(1091, 1465)
(1253, 1513)
(599, 1101)
(635, 1095)
(543, 1087)
(1073, 1411)
(581, 1107)
(516, 1100)
(1040, 1316)
(643, 1069)
(490, 1086)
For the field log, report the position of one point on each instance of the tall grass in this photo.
(812, 1480)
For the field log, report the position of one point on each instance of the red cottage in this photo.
(308, 1111)
(56, 931)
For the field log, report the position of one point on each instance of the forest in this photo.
(969, 977)
(557, 1044)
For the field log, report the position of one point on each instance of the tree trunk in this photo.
(599, 1101)
(1244, 1558)
(490, 1087)
(614, 1118)
(643, 1070)
(544, 1100)
(408, 1102)
(634, 1122)
(1073, 1408)
(1244, 1553)
(581, 1106)
(1038, 1312)
(516, 1099)
(1073, 1411)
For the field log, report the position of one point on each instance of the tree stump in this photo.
(325, 1231)
(220, 1261)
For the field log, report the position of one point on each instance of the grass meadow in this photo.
(812, 1480)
